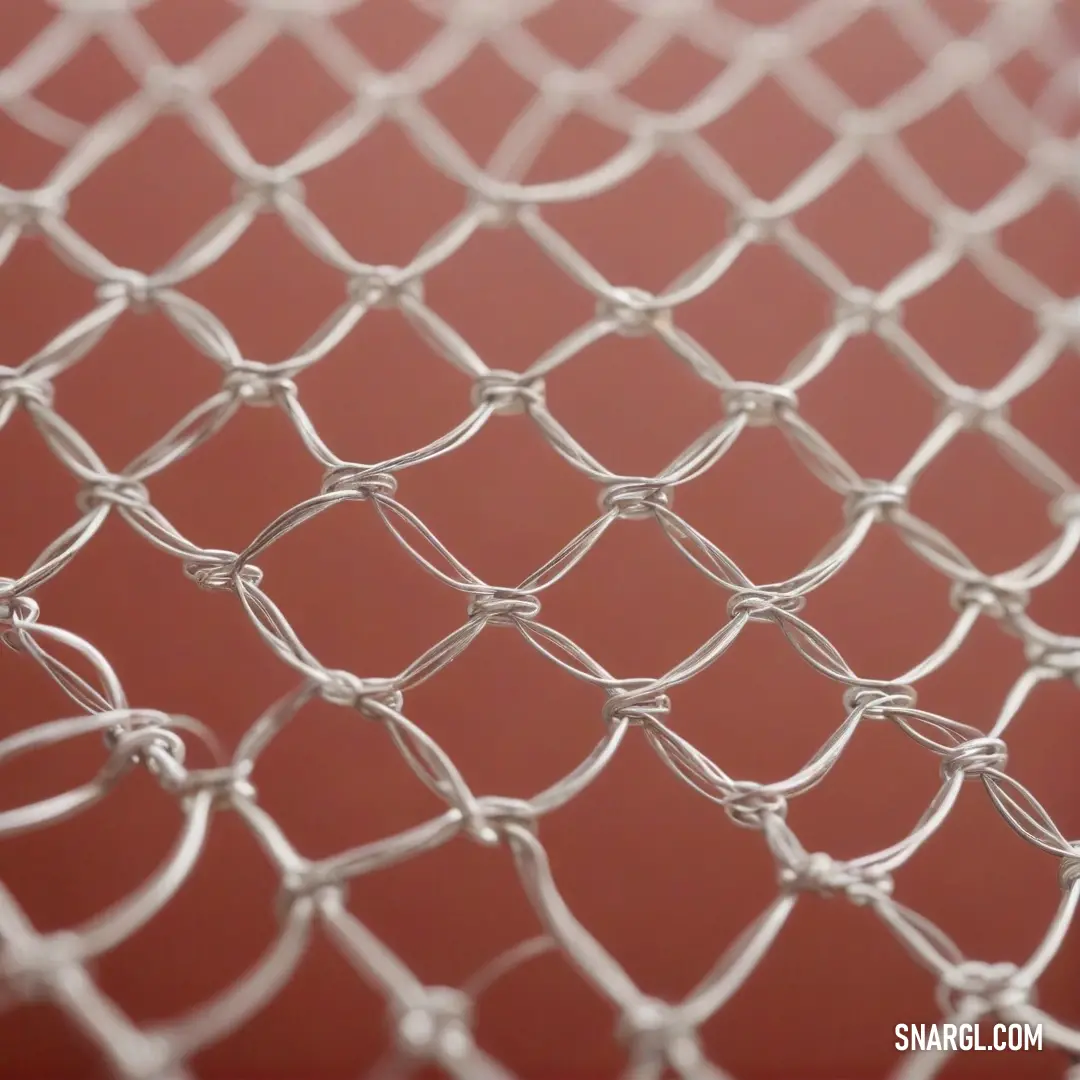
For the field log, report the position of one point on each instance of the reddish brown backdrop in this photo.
(663, 878)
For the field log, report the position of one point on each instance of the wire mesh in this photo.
(431, 1023)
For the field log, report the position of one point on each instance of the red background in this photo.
(662, 878)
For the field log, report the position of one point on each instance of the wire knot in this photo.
(116, 491)
(26, 389)
(1065, 508)
(976, 757)
(636, 702)
(750, 804)
(975, 408)
(657, 1032)
(31, 967)
(223, 575)
(437, 1029)
(173, 87)
(388, 92)
(634, 312)
(879, 700)
(759, 605)
(384, 287)
(1061, 659)
(991, 986)
(257, 388)
(368, 696)
(14, 609)
(495, 213)
(635, 500)
(27, 209)
(567, 87)
(494, 815)
(878, 497)
(998, 599)
(504, 607)
(130, 746)
(227, 785)
(308, 886)
(137, 290)
(508, 393)
(269, 186)
(820, 873)
(1069, 869)
(862, 310)
(367, 483)
(756, 220)
(761, 403)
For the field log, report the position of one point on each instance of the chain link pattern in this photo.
(433, 1023)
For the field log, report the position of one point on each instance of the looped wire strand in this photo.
(435, 1023)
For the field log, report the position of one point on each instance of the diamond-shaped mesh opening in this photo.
(302, 292)
(770, 539)
(323, 975)
(519, 737)
(148, 662)
(479, 102)
(876, 442)
(663, 403)
(288, 79)
(1042, 240)
(865, 226)
(182, 39)
(1050, 606)
(580, 41)
(165, 185)
(34, 276)
(223, 473)
(881, 575)
(345, 814)
(238, 943)
(574, 143)
(21, 25)
(380, 199)
(381, 631)
(741, 715)
(1029, 409)
(45, 504)
(507, 299)
(1032, 741)
(388, 39)
(933, 142)
(1002, 862)
(869, 61)
(104, 876)
(658, 88)
(736, 321)
(513, 1025)
(701, 375)
(987, 479)
(89, 85)
(686, 612)
(971, 352)
(766, 166)
(651, 228)
(345, 388)
(33, 154)
(506, 477)
(151, 377)
(801, 999)
(412, 919)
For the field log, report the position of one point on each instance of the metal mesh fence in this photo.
(433, 1024)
